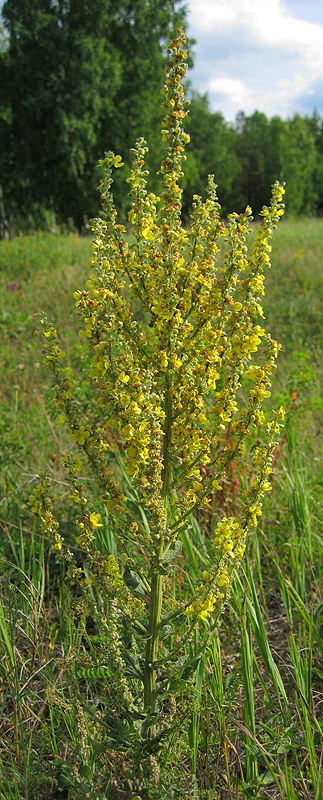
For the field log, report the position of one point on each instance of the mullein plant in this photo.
(182, 367)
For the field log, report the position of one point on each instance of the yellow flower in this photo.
(222, 578)
(94, 519)
(128, 431)
(117, 162)
(206, 575)
(255, 373)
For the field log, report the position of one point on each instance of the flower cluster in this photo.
(229, 547)
(101, 573)
(263, 467)
(202, 607)
(229, 539)
(42, 504)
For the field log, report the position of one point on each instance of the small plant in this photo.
(180, 370)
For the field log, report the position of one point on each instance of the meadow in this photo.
(256, 728)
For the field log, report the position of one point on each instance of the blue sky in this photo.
(258, 54)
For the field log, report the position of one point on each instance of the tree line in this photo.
(249, 155)
(80, 77)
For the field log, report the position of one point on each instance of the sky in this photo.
(264, 55)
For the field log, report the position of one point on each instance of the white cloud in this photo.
(206, 14)
(268, 20)
(256, 54)
(234, 95)
(234, 89)
(280, 29)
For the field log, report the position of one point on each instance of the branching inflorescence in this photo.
(180, 359)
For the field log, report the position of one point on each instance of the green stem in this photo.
(156, 599)
(167, 438)
(156, 591)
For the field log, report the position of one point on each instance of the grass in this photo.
(257, 730)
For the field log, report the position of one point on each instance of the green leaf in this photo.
(133, 582)
(167, 630)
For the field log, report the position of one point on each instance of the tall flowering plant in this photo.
(179, 357)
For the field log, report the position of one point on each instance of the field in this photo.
(257, 730)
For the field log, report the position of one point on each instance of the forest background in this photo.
(78, 78)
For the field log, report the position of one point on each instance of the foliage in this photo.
(76, 78)
(258, 167)
(249, 154)
(211, 150)
(300, 164)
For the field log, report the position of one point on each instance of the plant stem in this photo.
(156, 598)
(156, 592)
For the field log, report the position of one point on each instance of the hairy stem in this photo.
(156, 592)
(156, 599)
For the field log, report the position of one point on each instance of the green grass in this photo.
(257, 729)
(45, 269)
